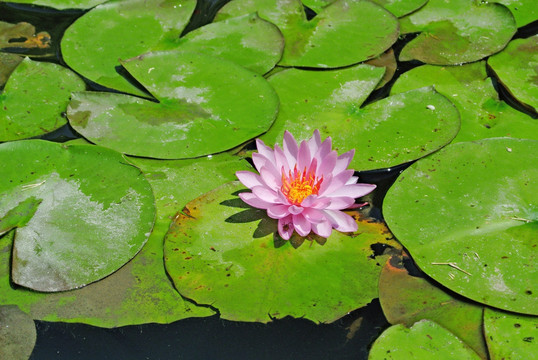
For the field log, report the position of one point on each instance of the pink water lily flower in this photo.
(303, 186)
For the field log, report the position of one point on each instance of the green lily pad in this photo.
(384, 134)
(517, 68)
(140, 292)
(34, 98)
(524, 11)
(457, 32)
(398, 8)
(468, 216)
(483, 114)
(246, 40)
(95, 212)
(121, 29)
(206, 105)
(510, 336)
(406, 299)
(62, 4)
(17, 334)
(223, 253)
(8, 63)
(424, 340)
(342, 34)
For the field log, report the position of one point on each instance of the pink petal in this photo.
(254, 201)
(265, 150)
(303, 157)
(278, 211)
(323, 229)
(354, 190)
(314, 216)
(260, 161)
(343, 161)
(268, 176)
(335, 182)
(285, 227)
(324, 148)
(290, 147)
(281, 161)
(266, 194)
(352, 180)
(341, 221)
(302, 226)
(315, 202)
(314, 142)
(340, 203)
(249, 179)
(295, 210)
(327, 164)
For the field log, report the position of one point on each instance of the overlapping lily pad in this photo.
(517, 68)
(8, 63)
(206, 105)
(246, 40)
(510, 336)
(406, 299)
(94, 212)
(483, 114)
(35, 98)
(343, 33)
(524, 11)
(384, 134)
(223, 253)
(397, 7)
(62, 4)
(457, 32)
(17, 334)
(22, 36)
(468, 216)
(424, 340)
(121, 29)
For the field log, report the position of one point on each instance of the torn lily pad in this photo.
(456, 32)
(94, 212)
(343, 33)
(205, 105)
(34, 99)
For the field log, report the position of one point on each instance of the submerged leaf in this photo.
(17, 334)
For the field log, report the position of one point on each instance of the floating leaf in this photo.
(386, 133)
(206, 105)
(121, 29)
(468, 216)
(246, 40)
(223, 253)
(343, 33)
(22, 35)
(34, 98)
(386, 60)
(483, 115)
(457, 32)
(17, 334)
(424, 340)
(517, 68)
(19, 215)
(62, 4)
(524, 11)
(510, 336)
(406, 299)
(8, 63)
(96, 212)
(397, 7)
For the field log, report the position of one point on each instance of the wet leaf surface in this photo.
(17, 334)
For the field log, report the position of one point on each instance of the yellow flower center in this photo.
(297, 186)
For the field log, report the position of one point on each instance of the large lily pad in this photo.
(406, 299)
(343, 33)
(139, 292)
(17, 334)
(457, 32)
(384, 134)
(223, 253)
(483, 114)
(206, 105)
(397, 7)
(121, 29)
(510, 336)
(424, 340)
(524, 11)
(468, 216)
(517, 68)
(34, 98)
(246, 40)
(94, 212)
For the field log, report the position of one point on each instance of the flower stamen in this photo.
(297, 186)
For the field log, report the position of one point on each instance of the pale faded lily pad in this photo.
(406, 299)
(206, 105)
(483, 114)
(386, 60)
(17, 334)
(524, 11)
(457, 32)
(246, 40)
(468, 216)
(34, 98)
(121, 29)
(510, 336)
(94, 212)
(23, 36)
(398, 8)
(517, 68)
(8, 63)
(384, 134)
(343, 33)
(223, 253)
(424, 340)
(139, 292)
